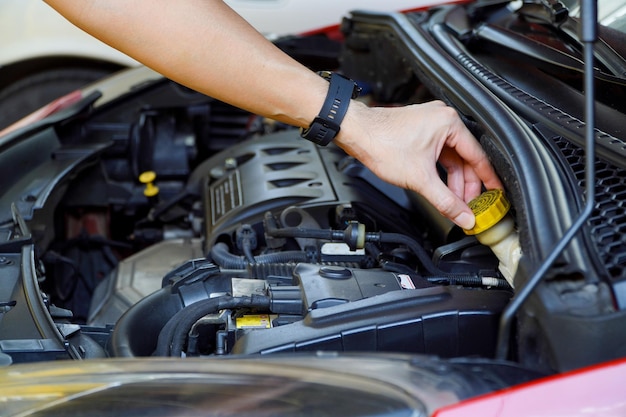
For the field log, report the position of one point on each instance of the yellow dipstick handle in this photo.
(147, 178)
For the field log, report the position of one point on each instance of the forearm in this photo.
(206, 46)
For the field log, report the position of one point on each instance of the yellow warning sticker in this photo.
(254, 321)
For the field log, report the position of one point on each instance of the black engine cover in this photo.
(282, 170)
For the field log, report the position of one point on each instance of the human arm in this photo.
(206, 46)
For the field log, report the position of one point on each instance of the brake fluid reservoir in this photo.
(495, 228)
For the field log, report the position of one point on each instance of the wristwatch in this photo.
(327, 124)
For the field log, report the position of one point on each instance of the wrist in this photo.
(356, 136)
(327, 124)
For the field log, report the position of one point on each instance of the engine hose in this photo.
(222, 257)
(174, 334)
(272, 229)
(436, 274)
(135, 333)
(352, 234)
(247, 252)
(412, 244)
(463, 280)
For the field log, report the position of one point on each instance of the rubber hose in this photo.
(222, 256)
(417, 249)
(135, 333)
(272, 229)
(437, 274)
(173, 335)
(247, 252)
(466, 280)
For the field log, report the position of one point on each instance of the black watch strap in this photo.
(327, 124)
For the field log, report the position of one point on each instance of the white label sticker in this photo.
(406, 282)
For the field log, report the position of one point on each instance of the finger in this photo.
(469, 149)
(455, 168)
(462, 179)
(473, 183)
(447, 202)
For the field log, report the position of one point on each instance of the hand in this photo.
(402, 145)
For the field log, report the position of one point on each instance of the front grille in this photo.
(608, 220)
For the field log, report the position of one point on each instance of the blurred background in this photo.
(44, 57)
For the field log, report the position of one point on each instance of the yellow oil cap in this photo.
(148, 179)
(489, 208)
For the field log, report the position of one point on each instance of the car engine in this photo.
(308, 250)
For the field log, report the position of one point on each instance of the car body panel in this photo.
(597, 391)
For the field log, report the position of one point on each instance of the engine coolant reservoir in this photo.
(495, 228)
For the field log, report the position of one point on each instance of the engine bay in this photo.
(288, 246)
(288, 223)
(147, 219)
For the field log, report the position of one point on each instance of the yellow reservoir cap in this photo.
(489, 208)
(148, 179)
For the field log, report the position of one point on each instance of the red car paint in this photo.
(598, 391)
